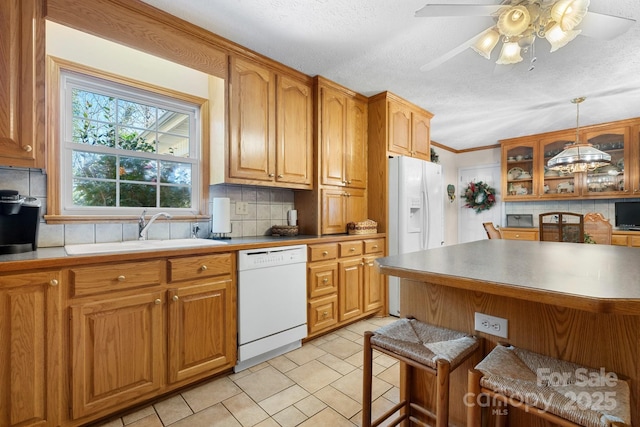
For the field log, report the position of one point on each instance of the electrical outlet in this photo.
(492, 325)
(242, 208)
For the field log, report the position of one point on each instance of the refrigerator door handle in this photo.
(424, 233)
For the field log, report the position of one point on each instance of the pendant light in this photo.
(579, 157)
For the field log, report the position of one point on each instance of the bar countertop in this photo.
(596, 278)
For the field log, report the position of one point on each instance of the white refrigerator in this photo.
(416, 212)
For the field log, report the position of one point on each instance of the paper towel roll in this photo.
(292, 217)
(221, 215)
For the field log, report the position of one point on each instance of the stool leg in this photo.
(474, 411)
(367, 379)
(442, 393)
(406, 374)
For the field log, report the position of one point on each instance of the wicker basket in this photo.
(363, 227)
(284, 230)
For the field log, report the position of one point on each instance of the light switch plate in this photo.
(492, 325)
(242, 208)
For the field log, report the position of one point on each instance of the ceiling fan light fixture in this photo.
(514, 21)
(486, 43)
(569, 13)
(510, 53)
(558, 38)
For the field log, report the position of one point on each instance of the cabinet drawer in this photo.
(322, 279)
(519, 235)
(196, 267)
(115, 277)
(350, 248)
(619, 240)
(323, 252)
(372, 246)
(635, 241)
(323, 313)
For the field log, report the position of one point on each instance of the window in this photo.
(124, 149)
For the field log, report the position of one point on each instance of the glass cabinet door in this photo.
(556, 184)
(520, 171)
(610, 179)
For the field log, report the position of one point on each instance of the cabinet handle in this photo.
(280, 176)
(158, 301)
(121, 278)
(53, 282)
(375, 246)
(352, 249)
(271, 175)
(348, 194)
(349, 182)
(325, 253)
(370, 264)
(27, 148)
(362, 263)
(175, 298)
(203, 268)
(517, 236)
(324, 314)
(325, 280)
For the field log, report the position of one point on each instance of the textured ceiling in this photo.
(376, 45)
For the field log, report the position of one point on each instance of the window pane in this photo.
(175, 197)
(175, 173)
(93, 165)
(137, 115)
(93, 106)
(94, 193)
(136, 140)
(93, 133)
(137, 195)
(172, 122)
(177, 146)
(136, 169)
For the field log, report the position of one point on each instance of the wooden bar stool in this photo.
(561, 392)
(432, 349)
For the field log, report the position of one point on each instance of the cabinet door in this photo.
(519, 172)
(323, 313)
(420, 136)
(322, 279)
(22, 83)
(251, 121)
(350, 288)
(373, 285)
(333, 116)
(399, 128)
(334, 211)
(356, 206)
(202, 329)
(556, 184)
(294, 151)
(117, 348)
(356, 151)
(30, 353)
(612, 180)
(633, 168)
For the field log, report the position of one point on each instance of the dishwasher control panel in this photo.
(269, 257)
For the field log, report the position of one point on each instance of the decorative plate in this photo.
(514, 173)
(621, 164)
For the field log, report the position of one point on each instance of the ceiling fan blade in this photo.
(437, 10)
(450, 54)
(606, 27)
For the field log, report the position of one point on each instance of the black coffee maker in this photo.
(19, 221)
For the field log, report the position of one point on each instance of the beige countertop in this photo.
(597, 278)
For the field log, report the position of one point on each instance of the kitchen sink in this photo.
(138, 246)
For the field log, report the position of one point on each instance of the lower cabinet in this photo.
(140, 329)
(30, 349)
(343, 283)
(514, 233)
(626, 238)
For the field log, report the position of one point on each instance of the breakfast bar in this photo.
(575, 302)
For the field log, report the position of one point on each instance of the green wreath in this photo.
(479, 196)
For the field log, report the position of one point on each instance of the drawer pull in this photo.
(53, 282)
(370, 264)
(280, 176)
(121, 278)
(175, 298)
(352, 249)
(362, 263)
(203, 268)
(324, 314)
(27, 148)
(325, 280)
(375, 246)
(271, 175)
(325, 253)
(158, 301)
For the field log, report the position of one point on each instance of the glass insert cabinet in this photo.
(525, 175)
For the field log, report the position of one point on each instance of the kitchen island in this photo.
(575, 302)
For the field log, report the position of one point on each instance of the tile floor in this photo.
(319, 384)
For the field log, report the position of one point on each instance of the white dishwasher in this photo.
(272, 303)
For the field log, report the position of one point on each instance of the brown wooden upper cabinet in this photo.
(407, 125)
(270, 127)
(343, 137)
(22, 84)
(524, 164)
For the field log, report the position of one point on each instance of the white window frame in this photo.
(70, 80)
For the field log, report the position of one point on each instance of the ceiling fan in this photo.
(518, 23)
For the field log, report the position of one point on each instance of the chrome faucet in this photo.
(143, 227)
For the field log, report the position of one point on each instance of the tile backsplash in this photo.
(267, 207)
